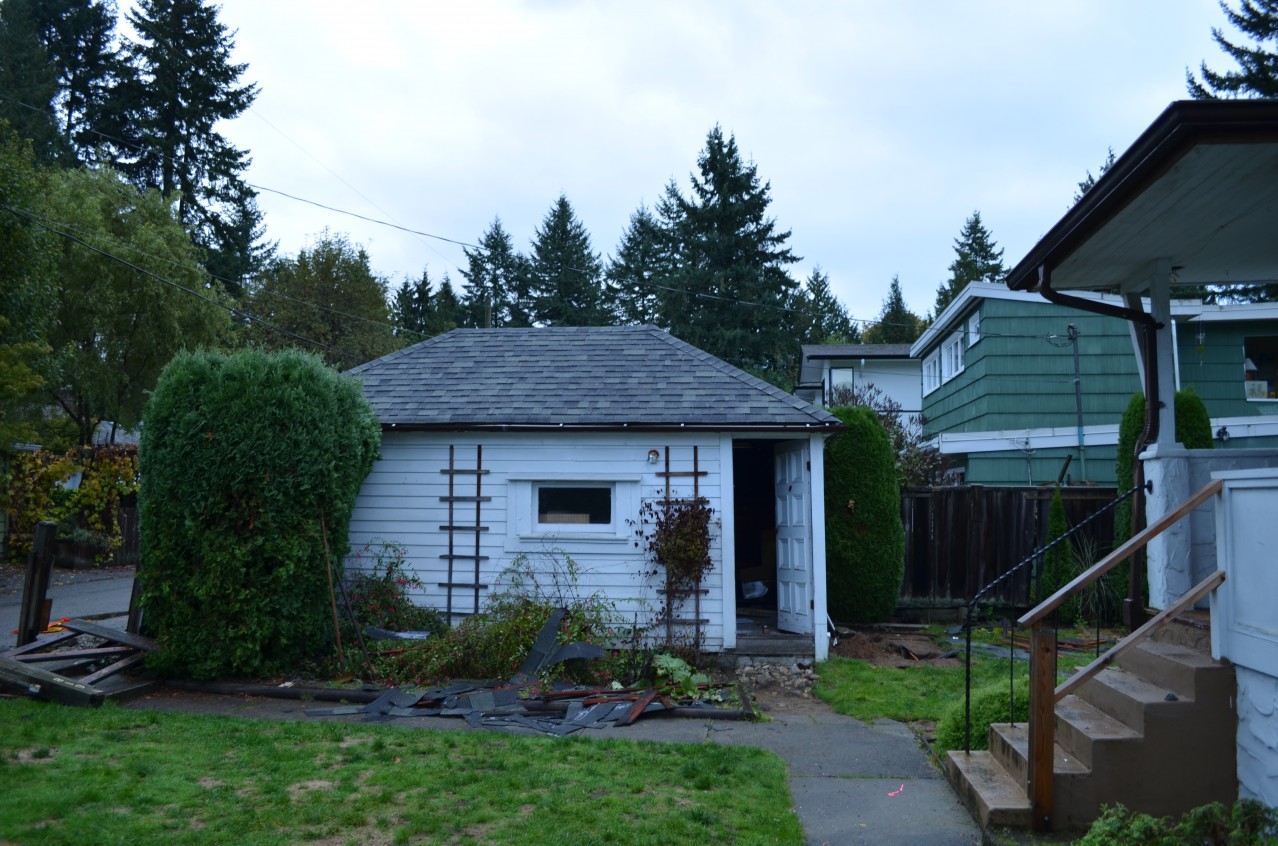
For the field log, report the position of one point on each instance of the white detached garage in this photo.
(498, 443)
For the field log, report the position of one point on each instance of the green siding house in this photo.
(1001, 396)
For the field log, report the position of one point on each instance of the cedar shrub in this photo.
(865, 539)
(241, 455)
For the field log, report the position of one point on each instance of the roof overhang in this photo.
(827, 428)
(1199, 188)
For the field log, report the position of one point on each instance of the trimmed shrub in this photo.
(1193, 424)
(243, 458)
(1248, 823)
(989, 705)
(864, 537)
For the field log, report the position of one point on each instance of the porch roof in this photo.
(1199, 187)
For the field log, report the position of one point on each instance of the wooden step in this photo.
(990, 794)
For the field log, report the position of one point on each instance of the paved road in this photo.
(81, 593)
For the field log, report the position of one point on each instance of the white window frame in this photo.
(951, 357)
(932, 372)
(1258, 353)
(550, 528)
(524, 532)
(973, 328)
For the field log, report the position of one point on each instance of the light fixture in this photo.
(1222, 434)
(653, 455)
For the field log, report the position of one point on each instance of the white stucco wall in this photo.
(1257, 736)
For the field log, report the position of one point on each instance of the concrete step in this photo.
(1009, 744)
(993, 797)
(1128, 698)
(1083, 730)
(1188, 672)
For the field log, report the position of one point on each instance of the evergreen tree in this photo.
(565, 274)
(1257, 74)
(328, 296)
(976, 260)
(186, 84)
(825, 320)
(1086, 184)
(28, 79)
(734, 296)
(496, 282)
(411, 309)
(632, 274)
(447, 313)
(896, 324)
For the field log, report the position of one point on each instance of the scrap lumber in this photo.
(20, 678)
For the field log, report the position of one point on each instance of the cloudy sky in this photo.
(880, 125)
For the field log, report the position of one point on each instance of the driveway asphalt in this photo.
(852, 783)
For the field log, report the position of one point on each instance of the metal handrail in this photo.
(976, 598)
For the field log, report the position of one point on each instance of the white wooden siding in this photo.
(400, 502)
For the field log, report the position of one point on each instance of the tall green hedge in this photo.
(240, 456)
(864, 537)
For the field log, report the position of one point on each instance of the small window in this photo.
(974, 328)
(575, 505)
(952, 357)
(1260, 367)
(931, 372)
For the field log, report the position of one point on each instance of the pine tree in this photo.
(896, 324)
(825, 319)
(1089, 181)
(412, 308)
(565, 274)
(976, 260)
(1257, 74)
(633, 274)
(447, 313)
(28, 79)
(496, 282)
(186, 84)
(734, 296)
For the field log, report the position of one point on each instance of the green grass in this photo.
(113, 775)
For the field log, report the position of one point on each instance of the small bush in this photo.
(1248, 823)
(989, 705)
(376, 592)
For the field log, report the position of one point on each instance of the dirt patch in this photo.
(887, 648)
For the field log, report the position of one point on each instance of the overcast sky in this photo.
(880, 125)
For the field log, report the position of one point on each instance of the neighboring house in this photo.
(1194, 202)
(499, 443)
(999, 390)
(830, 369)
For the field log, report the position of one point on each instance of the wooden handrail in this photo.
(1118, 556)
(1196, 593)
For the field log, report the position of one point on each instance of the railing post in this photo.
(1042, 724)
(33, 615)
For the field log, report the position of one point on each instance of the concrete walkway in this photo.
(852, 783)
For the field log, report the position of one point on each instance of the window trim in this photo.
(932, 372)
(584, 528)
(973, 328)
(1263, 389)
(951, 357)
(524, 533)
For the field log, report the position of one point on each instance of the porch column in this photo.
(1169, 556)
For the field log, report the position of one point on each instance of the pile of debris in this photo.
(794, 679)
(76, 664)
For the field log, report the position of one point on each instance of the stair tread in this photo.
(1017, 737)
(1135, 687)
(980, 779)
(1178, 653)
(1092, 721)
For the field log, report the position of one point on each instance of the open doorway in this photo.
(755, 536)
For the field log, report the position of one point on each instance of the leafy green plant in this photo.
(1247, 823)
(990, 704)
(865, 539)
(676, 537)
(678, 678)
(377, 579)
(251, 463)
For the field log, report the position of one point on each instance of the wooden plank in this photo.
(71, 654)
(60, 637)
(636, 710)
(1042, 727)
(137, 641)
(460, 585)
(463, 528)
(465, 472)
(466, 499)
(112, 669)
(33, 615)
(1118, 556)
(1196, 593)
(41, 684)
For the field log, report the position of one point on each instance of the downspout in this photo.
(1133, 612)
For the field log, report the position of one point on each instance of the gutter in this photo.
(827, 427)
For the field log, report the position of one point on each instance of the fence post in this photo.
(33, 615)
(1042, 725)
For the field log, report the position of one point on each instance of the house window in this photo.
(1260, 367)
(952, 357)
(932, 372)
(974, 328)
(579, 507)
(842, 382)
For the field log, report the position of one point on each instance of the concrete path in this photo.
(852, 783)
(75, 593)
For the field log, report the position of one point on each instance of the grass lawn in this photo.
(74, 776)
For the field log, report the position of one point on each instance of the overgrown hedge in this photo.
(864, 537)
(242, 455)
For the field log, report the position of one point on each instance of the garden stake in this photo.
(332, 597)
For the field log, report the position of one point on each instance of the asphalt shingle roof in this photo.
(573, 376)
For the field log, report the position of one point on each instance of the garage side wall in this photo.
(405, 501)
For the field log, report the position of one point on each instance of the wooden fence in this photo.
(959, 539)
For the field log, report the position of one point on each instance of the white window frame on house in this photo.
(524, 526)
(932, 372)
(973, 328)
(551, 513)
(1260, 368)
(952, 357)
